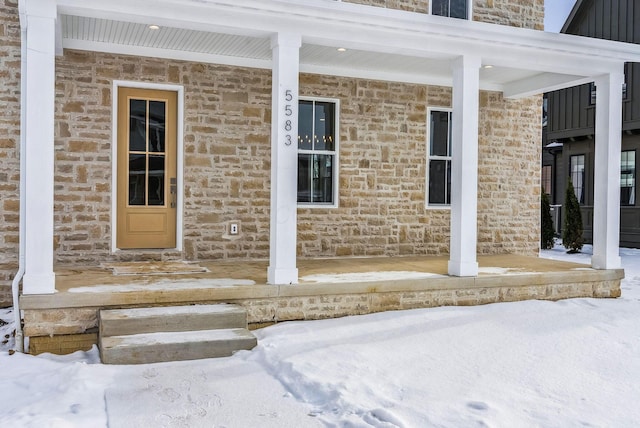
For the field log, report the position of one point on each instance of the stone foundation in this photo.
(69, 329)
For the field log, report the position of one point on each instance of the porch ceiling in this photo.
(381, 43)
(88, 33)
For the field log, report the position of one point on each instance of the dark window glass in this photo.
(137, 125)
(324, 123)
(137, 174)
(440, 182)
(592, 94)
(304, 178)
(156, 180)
(157, 123)
(450, 8)
(440, 133)
(305, 125)
(628, 178)
(439, 158)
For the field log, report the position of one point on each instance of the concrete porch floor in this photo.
(94, 286)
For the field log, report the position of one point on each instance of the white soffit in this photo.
(99, 32)
(89, 33)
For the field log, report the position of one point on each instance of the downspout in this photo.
(15, 285)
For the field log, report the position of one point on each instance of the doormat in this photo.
(154, 268)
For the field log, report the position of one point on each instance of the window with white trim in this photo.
(628, 178)
(577, 170)
(439, 158)
(318, 151)
(451, 8)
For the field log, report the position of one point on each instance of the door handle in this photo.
(173, 190)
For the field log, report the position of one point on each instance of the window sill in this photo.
(316, 206)
(438, 207)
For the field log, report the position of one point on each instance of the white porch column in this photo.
(606, 197)
(464, 167)
(39, 17)
(284, 159)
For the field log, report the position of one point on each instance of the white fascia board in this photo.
(540, 83)
(419, 79)
(262, 16)
(166, 53)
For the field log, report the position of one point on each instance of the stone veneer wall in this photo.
(227, 160)
(516, 13)
(227, 165)
(9, 143)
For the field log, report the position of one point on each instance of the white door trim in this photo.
(179, 151)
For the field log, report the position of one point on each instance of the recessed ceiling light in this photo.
(486, 67)
(342, 49)
(154, 27)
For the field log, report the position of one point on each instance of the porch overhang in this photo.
(380, 43)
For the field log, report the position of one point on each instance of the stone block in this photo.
(62, 344)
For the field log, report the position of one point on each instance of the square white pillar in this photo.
(39, 16)
(464, 167)
(606, 195)
(284, 159)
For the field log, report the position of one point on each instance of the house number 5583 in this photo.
(288, 111)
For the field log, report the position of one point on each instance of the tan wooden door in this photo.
(147, 186)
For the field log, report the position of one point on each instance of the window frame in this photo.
(469, 10)
(429, 157)
(335, 153)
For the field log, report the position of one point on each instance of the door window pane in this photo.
(157, 122)
(137, 125)
(156, 180)
(137, 173)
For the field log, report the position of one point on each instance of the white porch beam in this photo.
(40, 19)
(606, 198)
(464, 167)
(284, 159)
(541, 83)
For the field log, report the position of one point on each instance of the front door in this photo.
(147, 186)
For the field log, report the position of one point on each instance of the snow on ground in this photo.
(526, 364)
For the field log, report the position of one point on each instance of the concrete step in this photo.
(174, 346)
(119, 322)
